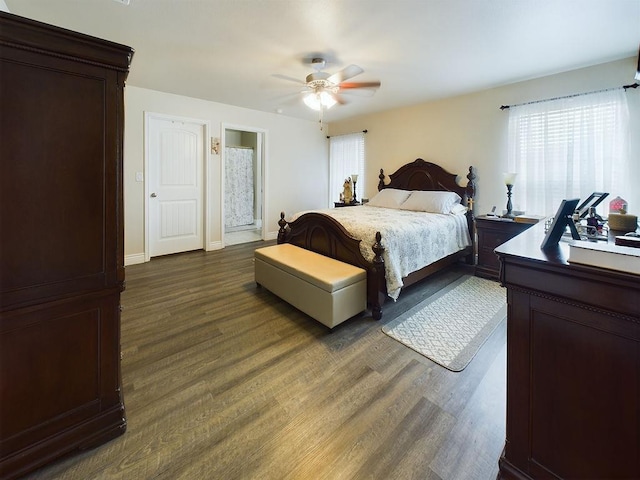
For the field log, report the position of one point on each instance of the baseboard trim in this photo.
(140, 257)
(134, 259)
(214, 246)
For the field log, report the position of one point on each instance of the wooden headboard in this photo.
(421, 175)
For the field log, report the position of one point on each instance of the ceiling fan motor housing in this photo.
(318, 79)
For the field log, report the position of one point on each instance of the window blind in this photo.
(569, 148)
(346, 157)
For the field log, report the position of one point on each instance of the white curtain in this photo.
(238, 187)
(569, 148)
(346, 157)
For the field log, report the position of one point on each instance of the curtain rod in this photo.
(633, 85)
(363, 131)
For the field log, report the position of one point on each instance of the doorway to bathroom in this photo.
(243, 172)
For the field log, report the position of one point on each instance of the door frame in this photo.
(206, 191)
(262, 158)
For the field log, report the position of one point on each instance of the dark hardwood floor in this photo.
(222, 380)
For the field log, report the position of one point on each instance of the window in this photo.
(346, 157)
(569, 148)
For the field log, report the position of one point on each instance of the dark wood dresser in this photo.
(573, 365)
(492, 232)
(61, 242)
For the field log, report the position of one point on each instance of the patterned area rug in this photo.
(451, 326)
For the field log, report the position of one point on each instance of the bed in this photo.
(386, 238)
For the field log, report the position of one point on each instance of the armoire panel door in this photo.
(58, 192)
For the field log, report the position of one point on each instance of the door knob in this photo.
(153, 195)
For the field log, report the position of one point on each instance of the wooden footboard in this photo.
(324, 235)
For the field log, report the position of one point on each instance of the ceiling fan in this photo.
(324, 90)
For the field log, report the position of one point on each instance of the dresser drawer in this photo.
(491, 234)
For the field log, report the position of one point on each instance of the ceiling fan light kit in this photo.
(319, 100)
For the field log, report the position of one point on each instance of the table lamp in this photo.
(354, 179)
(509, 180)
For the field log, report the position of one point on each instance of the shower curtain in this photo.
(238, 185)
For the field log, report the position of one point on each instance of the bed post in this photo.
(376, 283)
(381, 180)
(470, 193)
(282, 232)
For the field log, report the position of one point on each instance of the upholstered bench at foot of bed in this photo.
(324, 288)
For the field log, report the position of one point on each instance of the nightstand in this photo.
(493, 232)
(342, 204)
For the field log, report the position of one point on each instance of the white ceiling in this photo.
(229, 51)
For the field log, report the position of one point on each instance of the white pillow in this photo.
(432, 202)
(458, 209)
(389, 198)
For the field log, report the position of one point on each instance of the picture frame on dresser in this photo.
(562, 219)
(592, 201)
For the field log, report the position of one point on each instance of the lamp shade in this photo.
(510, 178)
(354, 177)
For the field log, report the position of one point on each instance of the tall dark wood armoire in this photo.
(61, 242)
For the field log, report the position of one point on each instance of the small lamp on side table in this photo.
(354, 179)
(509, 180)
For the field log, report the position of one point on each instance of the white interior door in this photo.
(176, 161)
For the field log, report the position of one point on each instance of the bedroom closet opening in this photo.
(243, 180)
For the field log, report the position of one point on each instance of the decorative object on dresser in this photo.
(62, 261)
(573, 365)
(623, 222)
(322, 233)
(494, 231)
(450, 327)
(592, 201)
(618, 205)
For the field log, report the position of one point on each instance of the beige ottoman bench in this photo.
(324, 288)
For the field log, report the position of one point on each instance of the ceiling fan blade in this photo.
(288, 79)
(338, 98)
(359, 92)
(345, 74)
(346, 85)
(288, 99)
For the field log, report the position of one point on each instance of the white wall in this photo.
(472, 130)
(296, 171)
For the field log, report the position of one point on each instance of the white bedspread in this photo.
(412, 240)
